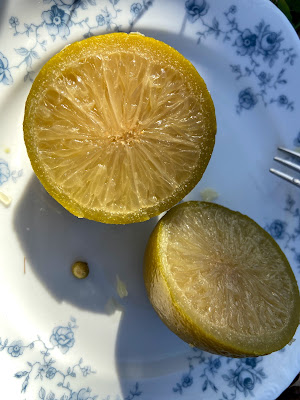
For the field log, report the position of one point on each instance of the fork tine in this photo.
(288, 151)
(285, 177)
(288, 163)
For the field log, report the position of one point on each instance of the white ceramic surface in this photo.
(60, 337)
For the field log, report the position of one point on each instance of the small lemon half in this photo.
(220, 281)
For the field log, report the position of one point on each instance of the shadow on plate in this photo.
(53, 239)
(147, 350)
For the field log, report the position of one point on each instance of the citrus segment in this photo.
(220, 281)
(119, 127)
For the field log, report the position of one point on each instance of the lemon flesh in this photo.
(119, 127)
(220, 282)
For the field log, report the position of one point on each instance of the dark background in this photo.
(291, 9)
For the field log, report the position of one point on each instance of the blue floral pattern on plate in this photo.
(288, 235)
(5, 75)
(243, 377)
(261, 46)
(6, 174)
(62, 338)
(57, 21)
(137, 10)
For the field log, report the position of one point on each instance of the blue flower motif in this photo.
(269, 43)
(100, 20)
(247, 99)
(15, 349)
(297, 141)
(13, 21)
(233, 9)
(51, 372)
(217, 363)
(264, 78)
(186, 380)
(244, 380)
(136, 8)
(63, 338)
(196, 9)
(56, 21)
(246, 42)
(283, 100)
(4, 171)
(277, 229)
(251, 361)
(83, 394)
(86, 371)
(5, 75)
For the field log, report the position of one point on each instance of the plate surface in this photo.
(65, 339)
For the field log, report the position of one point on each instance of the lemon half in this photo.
(221, 282)
(119, 127)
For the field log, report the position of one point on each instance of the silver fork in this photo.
(288, 163)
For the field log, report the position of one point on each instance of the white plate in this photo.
(60, 338)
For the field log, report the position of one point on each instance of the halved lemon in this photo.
(119, 127)
(220, 281)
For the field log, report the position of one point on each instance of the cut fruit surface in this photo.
(220, 281)
(119, 127)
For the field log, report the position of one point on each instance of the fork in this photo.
(289, 164)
